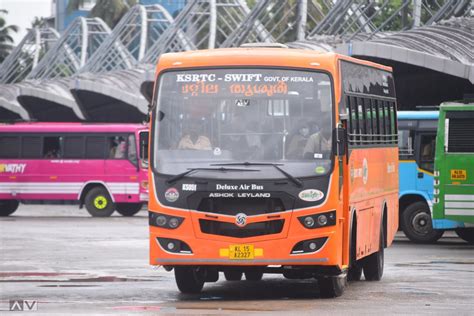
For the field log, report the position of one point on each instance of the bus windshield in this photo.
(220, 116)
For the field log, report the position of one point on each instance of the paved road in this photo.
(73, 263)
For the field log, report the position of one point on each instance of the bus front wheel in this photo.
(417, 225)
(99, 203)
(466, 234)
(128, 209)
(332, 286)
(189, 280)
(373, 264)
(8, 207)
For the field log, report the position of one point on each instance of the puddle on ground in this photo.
(26, 277)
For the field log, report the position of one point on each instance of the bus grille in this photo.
(234, 206)
(231, 230)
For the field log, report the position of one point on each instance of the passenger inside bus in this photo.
(318, 143)
(193, 138)
(298, 142)
(117, 147)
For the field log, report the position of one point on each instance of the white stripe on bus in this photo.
(64, 187)
(459, 197)
(451, 211)
(459, 204)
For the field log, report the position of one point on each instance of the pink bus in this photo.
(102, 166)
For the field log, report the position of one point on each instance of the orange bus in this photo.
(272, 160)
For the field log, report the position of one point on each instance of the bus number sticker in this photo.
(171, 195)
(458, 174)
(311, 195)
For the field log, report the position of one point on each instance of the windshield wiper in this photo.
(184, 174)
(276, 165)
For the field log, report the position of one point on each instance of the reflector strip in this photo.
(461, 212)
(459, 197)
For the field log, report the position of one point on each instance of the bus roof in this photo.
(258, 56)
(36, 127)
(417, 115)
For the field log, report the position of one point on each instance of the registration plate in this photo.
(241, 252)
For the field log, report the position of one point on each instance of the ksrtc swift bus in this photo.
(453, 202)
(416, 141)
(272, 160)
(102, 166)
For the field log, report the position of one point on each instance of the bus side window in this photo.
(375, 130)
(387, 121)
(368, 120)
(117, 147)
(95, 147)
(393, 122)
(362, 125)
(73, 147)
(427, 151)
(132, 149)
(405, 144)
(354, 121)
(52, 147)
(381, 121)
(9, 147)
(31, 147)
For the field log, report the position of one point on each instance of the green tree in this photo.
(6, 40)
(111, 11)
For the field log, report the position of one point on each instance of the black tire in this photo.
(188, 280)
(128, 209)
(253, 275)
(466, 234)
(373, 264)
(233, 275)
(99, 203)
(417, 225)
(331, 286)
(355, 268)
(8, 207)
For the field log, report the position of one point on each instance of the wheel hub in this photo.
(100, 202)
(422, 223)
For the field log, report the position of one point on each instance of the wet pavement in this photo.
(72, 263)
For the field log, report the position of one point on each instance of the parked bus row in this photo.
(429, 166)
(103, 166)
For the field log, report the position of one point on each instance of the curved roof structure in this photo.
(45, 94)
(446, 47)
(10, 109)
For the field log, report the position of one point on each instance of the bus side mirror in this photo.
(340, 139)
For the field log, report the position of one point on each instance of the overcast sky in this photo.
(23, 12)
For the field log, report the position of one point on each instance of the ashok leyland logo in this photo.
(241, 219)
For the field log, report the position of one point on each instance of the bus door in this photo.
(121, 166)
(425, 145)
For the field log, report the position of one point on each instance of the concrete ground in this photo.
(72, 263)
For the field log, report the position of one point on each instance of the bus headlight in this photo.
(318, 220)
(164, 221)
(144, 185)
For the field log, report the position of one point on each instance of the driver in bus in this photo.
(317, 144)
(193, 138)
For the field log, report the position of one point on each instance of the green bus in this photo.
(453, 203)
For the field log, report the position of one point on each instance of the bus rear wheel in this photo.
(417, 225)
(332, 286)
(466, 234)
(8, 207)
(373, 264)
(128, 209)
(189, 280)
(99, 203)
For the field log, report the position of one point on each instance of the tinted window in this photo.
(51, 147)
(31, 147)
(9, 147)
(95, 147)
(427, 152)
(73, 147)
